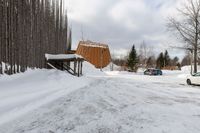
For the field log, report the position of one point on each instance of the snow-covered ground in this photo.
(109, 102)
(22, 93)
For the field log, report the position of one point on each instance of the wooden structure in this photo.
(71, 52)
(63, 61)
(95, 53)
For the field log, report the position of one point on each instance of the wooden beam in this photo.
(81, 67)
(78, 68)
(51, 65)
(75, 65)
(63, 65)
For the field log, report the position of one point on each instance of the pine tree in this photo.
(160, 61)
(133, 59)
(167, 59)
(175, 61)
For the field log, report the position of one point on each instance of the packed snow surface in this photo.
(24, 92)
(43, 101)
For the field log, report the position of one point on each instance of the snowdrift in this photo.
(23, 92)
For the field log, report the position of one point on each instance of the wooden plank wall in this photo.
(28, 30)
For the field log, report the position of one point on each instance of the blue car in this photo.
(154, 72)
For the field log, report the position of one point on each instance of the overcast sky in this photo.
(121, 23)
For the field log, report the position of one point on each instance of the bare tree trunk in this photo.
(188, 28)
(1, 40)
(28, 30)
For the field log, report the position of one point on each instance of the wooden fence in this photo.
(28, 30)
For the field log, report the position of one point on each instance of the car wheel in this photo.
(189, 82)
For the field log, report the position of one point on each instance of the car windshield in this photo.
(197, 74)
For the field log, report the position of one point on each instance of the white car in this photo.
(194, 79)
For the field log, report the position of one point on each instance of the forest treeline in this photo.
(28, 30)
(144, 57)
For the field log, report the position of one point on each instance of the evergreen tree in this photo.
(160, 61)
(167, 59)
(175, 61)
(133, 59)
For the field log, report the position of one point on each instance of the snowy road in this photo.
(119, 103)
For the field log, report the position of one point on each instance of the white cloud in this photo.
(122, 22)
(127, 12)
(83, 10)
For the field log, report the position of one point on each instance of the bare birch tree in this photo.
(144, 53)
(188, 27)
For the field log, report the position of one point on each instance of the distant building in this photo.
(96, 53)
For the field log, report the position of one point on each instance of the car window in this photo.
(197, 74)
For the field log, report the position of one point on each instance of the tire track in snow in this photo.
(114, 105)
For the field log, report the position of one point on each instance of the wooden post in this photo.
(62, 65)
(75, 65)
(78, 68)
(1, 69)
(81, 67)
(46, 65)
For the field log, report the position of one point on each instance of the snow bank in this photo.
(115, 67)
(122, 103)
(90, 70)
(188, 68)
(24, 92)
(185, 72)
(27, 91)
(171, 72)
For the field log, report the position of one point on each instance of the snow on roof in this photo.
(61, 56)
(93, 44)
